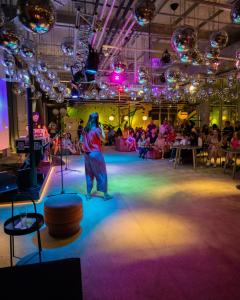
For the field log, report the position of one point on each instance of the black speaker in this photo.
(8, 182)
(60, 279)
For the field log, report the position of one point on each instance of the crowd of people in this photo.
(163, 139)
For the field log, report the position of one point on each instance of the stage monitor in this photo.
(4, 129)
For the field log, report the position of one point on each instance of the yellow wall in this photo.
(82, 111)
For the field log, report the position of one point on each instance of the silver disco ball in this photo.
(60, 99)
(10, 71)
(61, 87)
(23, 76)
(144, 11)
(7, 60)
(184, 38)
(51, 75)
(118, 65)
(186, 57)
(33, 69)
(18, 90)
(55, 82)
(235, 12)
(36, 16)
(45, 86)
(40, 78)
(9, 40)
(211, 53)
(27, 50)
(219, 39)
(67, 67)
(172, 75)
(42, 66)
(67, 47)
(2, 18)
(197, 58)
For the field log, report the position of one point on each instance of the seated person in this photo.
(131, 142)
(152, 137)
(234, 146)
(214, 141)
(67, 145)
(160, 144)
(143, 145)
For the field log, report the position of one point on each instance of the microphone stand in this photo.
(61, 171)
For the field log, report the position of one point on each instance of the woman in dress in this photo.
(95, 166)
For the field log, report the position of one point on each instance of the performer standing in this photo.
(94, 161)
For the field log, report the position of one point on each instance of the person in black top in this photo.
(237, 126)
(151, 126)
(228, 131)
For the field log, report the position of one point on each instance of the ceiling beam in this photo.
(217, 13)
(164, 2)
(186, 13)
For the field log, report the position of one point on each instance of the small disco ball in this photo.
(55, 82)
(9, 71)
(2, 18)
(103, 94)
(184, 38)
(211, 53)
(172, 75)
(25, 85)
(9, 40)
(7, 60)
(40, 78)
(235, 12)
(52, 95)
(144, 11)
(219, 39)
(61, 87)
(45, 86)
(67, 47)
(119, 66)
(67, 67)
(94, 93)
(51, 75)
(197, 58)
(38, 95)
(27, 50)
(23, 76)
(42, 66)
(112, 93)
(33, 70)
(60, 99)
(186, 57)
(67, 92)
(87, 95)
(36, 16)
(237, 64)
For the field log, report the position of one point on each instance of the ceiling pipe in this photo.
(101, 17)
(105, 25)
(118, 23)
(119, 35)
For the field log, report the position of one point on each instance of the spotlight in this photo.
(117, 78)
(92, 62)
(125, 118)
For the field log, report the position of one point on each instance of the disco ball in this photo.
(94, 93)
(27, 50)
(55, 82)
(23, 76)
(60, 99)
(172, 75)
(67, 47)
(67, 67)
(87, 94)
(211, 53)
(197, 58)
(235, 12)
(210, 80)
(33, 70)
(103, 94)
(219, 39)
(51, 75)
(36, 16)
(2, 18)
(186, 57)
(52, 95)
(42, 66)
(112, 93)
(119, 66)
(61, 87)
(9, 72)
(25, 85)
(45, 86)
(144, 11)
(133, 95)
(184, 39)
(40, 78)
(7, 60)
(9, 40)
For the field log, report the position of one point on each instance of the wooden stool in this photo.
(63, 214)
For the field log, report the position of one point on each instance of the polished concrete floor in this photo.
(167, 234)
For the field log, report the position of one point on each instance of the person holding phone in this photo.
(95, 166)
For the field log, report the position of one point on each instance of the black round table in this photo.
(15, 227)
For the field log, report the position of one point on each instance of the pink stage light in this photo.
(117, 78)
